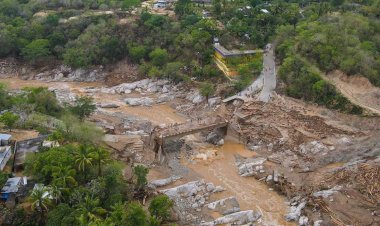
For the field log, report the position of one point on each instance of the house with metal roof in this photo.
(5, 139)
(227, 60)
(5, 155)
(11, 187)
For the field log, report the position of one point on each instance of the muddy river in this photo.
(250, 193)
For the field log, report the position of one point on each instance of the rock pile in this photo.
(250, 166)
(225, 206)
(314, 147)
(65, 73)
(163, 182)
(296, 206)
(327, 193)
(191, 197)
(238, 218)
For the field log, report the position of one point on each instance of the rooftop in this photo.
(11, 185)
(226, 53)
(4, 150)
(4, 136)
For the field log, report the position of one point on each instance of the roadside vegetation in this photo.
(80, 184)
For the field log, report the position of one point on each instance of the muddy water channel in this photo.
(250, 193)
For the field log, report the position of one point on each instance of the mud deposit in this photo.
(250, 193)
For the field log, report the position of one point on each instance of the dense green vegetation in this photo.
(304, 82)
(345, 41)
(329, 38)
(84, 185)
(330, 35)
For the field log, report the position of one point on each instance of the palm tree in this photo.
(90, 210)
(40, 198)
(100, 157)
(40, 201)
(55, 193)
(83, 159)
(63, 176)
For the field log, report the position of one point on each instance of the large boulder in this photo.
(108, 105)
(144, 101)
(327, 193)
(163, 182)
(295, 212)
(250, 167)
(238, 218)
(225, 206)
(212, 102)
(195, 97)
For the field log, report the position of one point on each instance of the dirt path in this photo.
(357, 89)
(353, 92)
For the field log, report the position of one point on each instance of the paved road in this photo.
(264, 85)
(269, 76)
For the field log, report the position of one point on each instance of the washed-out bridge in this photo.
(161, 135)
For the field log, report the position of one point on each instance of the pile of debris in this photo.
(363, 176)
(191, 197)
(250, 166)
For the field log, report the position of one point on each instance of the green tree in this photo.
(137, 53)
(3, 178)
(206, 89)
(62, 215)
(136, 215)
(159, 57)
(4, 97)
(183, 7)
(141, 172)
(118, 215)
(90, 210)
(40, 201)
(73, 130)
(41, 165)
(44, 101)
(160, 207)
(63, 176)
(36, 50)
(100, 157)
(83, 159)
(9, 119)
(130, 4)
(83, 107)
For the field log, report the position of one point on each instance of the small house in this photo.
(5, 139)
(5, 155)
(11, 188)
(226, 60)
(161, 4)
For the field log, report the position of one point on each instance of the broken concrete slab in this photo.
(327, 193)
(163, 182)
(225, 206)
(238, 218)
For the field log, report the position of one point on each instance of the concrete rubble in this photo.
(295, 210)
(327, 193)
(251, 166)
(66, 73)
(225, 206)
(163, 182)
(314, 147)
(189, 198)
(238, 218)
(108, 105)
(139, 101)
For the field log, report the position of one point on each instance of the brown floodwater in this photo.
(250, 193)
